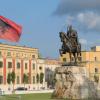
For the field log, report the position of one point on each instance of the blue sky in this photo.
(43, 19)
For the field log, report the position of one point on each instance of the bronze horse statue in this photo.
(70, 45)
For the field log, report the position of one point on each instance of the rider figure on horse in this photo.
(70, 43)
(72, 34)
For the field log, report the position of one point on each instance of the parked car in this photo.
(20, 89)
(43, 88)
(1, 92)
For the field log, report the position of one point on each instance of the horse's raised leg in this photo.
(75, 58)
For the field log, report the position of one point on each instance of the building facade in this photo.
(89, 59)
(21, 60)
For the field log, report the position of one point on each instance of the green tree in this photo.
(25, 79)
(37, 78)
(13, 78)
(9, 79)
(41, 77)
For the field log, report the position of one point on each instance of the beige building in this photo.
(22, 60)
(90, 59)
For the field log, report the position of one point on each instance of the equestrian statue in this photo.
(70, 44)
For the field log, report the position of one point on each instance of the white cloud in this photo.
(87, 21)
(90, 19)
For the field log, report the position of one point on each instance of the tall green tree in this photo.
(41, 77)
(9, 78)
(13, 78)
(37, 78)
(25, 79)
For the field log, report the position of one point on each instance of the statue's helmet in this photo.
(69, 27)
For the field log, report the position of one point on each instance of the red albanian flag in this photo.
(9, 30)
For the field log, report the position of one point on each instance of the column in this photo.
(4, 70)
(13, 65)
(29, 71)
(21, 70)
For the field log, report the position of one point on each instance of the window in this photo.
(33, 79)
(1, 79)
(25, 65)
(18, 80)
(40, 68)
(18, 65)
(33, 66)
(1, 64)
(9, 54)
(9, 64)
(95, 58)
(96, 70)
(64, 59)
(33, 56)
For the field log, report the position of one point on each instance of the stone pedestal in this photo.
(72, 82)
